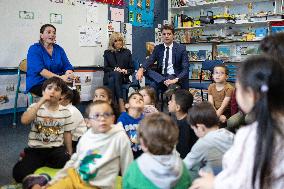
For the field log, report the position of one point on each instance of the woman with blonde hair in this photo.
(117, 67)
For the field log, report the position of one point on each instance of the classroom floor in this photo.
(12, 142)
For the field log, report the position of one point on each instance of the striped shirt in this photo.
(48, 127)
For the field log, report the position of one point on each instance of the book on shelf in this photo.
(197, 95)
(194, 71)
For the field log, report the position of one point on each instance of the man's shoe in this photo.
(171, 89)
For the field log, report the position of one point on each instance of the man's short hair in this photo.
(168, 27)
(159, 133)
(57, 81)
(184, 99)
(203, 113)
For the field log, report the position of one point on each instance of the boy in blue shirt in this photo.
(130, 120)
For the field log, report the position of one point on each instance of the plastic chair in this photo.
(205, 77)
(22, 68)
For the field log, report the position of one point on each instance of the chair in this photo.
(205, 77)
(134, 82)
(22, 68)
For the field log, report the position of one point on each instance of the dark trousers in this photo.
(156, 80)
(37, 90)
(115, 81)
(35, 158)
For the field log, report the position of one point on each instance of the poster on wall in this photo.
(126, 29)
(8, 85)
(89, 36)
(141, 13)
(86, 82)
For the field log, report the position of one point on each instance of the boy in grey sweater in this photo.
(208, 151)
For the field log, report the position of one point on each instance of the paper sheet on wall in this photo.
(92, 14)
(89, 36)
(87, 83)
(8, 85)
(113, 27)
(117, 14)
(126, 29)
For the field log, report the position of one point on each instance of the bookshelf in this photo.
(234, 34)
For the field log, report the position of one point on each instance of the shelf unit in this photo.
(234, 7)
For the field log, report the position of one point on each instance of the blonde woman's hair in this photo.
(115, 36)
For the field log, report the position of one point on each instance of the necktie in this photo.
(166, 60)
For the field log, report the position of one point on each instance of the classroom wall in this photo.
(141, 35)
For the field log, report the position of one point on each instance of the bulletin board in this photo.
(81, 29)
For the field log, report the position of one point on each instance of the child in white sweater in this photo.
(102, 152)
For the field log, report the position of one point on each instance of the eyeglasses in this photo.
(219, 73)
(105, 115)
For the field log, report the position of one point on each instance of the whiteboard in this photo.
(18, 33)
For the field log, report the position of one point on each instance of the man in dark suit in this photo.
(172, 64)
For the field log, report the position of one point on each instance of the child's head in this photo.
(272, 45)
(135, 101)
(103, 93)
(220, 73)
(181, 101)
(100, 116)
(202, 116)
(70, 96)
(54, 87)
(158, 134)
(260, 90)
(259, 81)
(149, 95)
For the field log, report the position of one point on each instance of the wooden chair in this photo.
(22, 68)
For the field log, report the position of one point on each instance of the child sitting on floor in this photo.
(130, 120)
(208, 151)
(69, 99)
(220, 93)
(160, 166)
(51, 126)
(102, 152)
(149, 96)
(181, 101)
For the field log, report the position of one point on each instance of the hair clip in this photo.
(264, 88)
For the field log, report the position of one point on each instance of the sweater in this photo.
(157, 171)
(100, 157)
(238, 162)
(208, 151)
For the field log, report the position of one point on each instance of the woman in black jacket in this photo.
(118, 67)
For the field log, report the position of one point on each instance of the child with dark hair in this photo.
(181, 101)
(104, 93)
(149, 96)
(220, 92)
(70, 99)
(130, 120)
(159, 166)
(208, 151)
(51, 127)
(256, 158)
(102, 152)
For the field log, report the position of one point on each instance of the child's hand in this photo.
(45, 97)
(206, 181)
(222, 119)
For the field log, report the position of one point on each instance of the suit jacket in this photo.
(179, 60)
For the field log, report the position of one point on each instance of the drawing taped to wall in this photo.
(141, 13)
